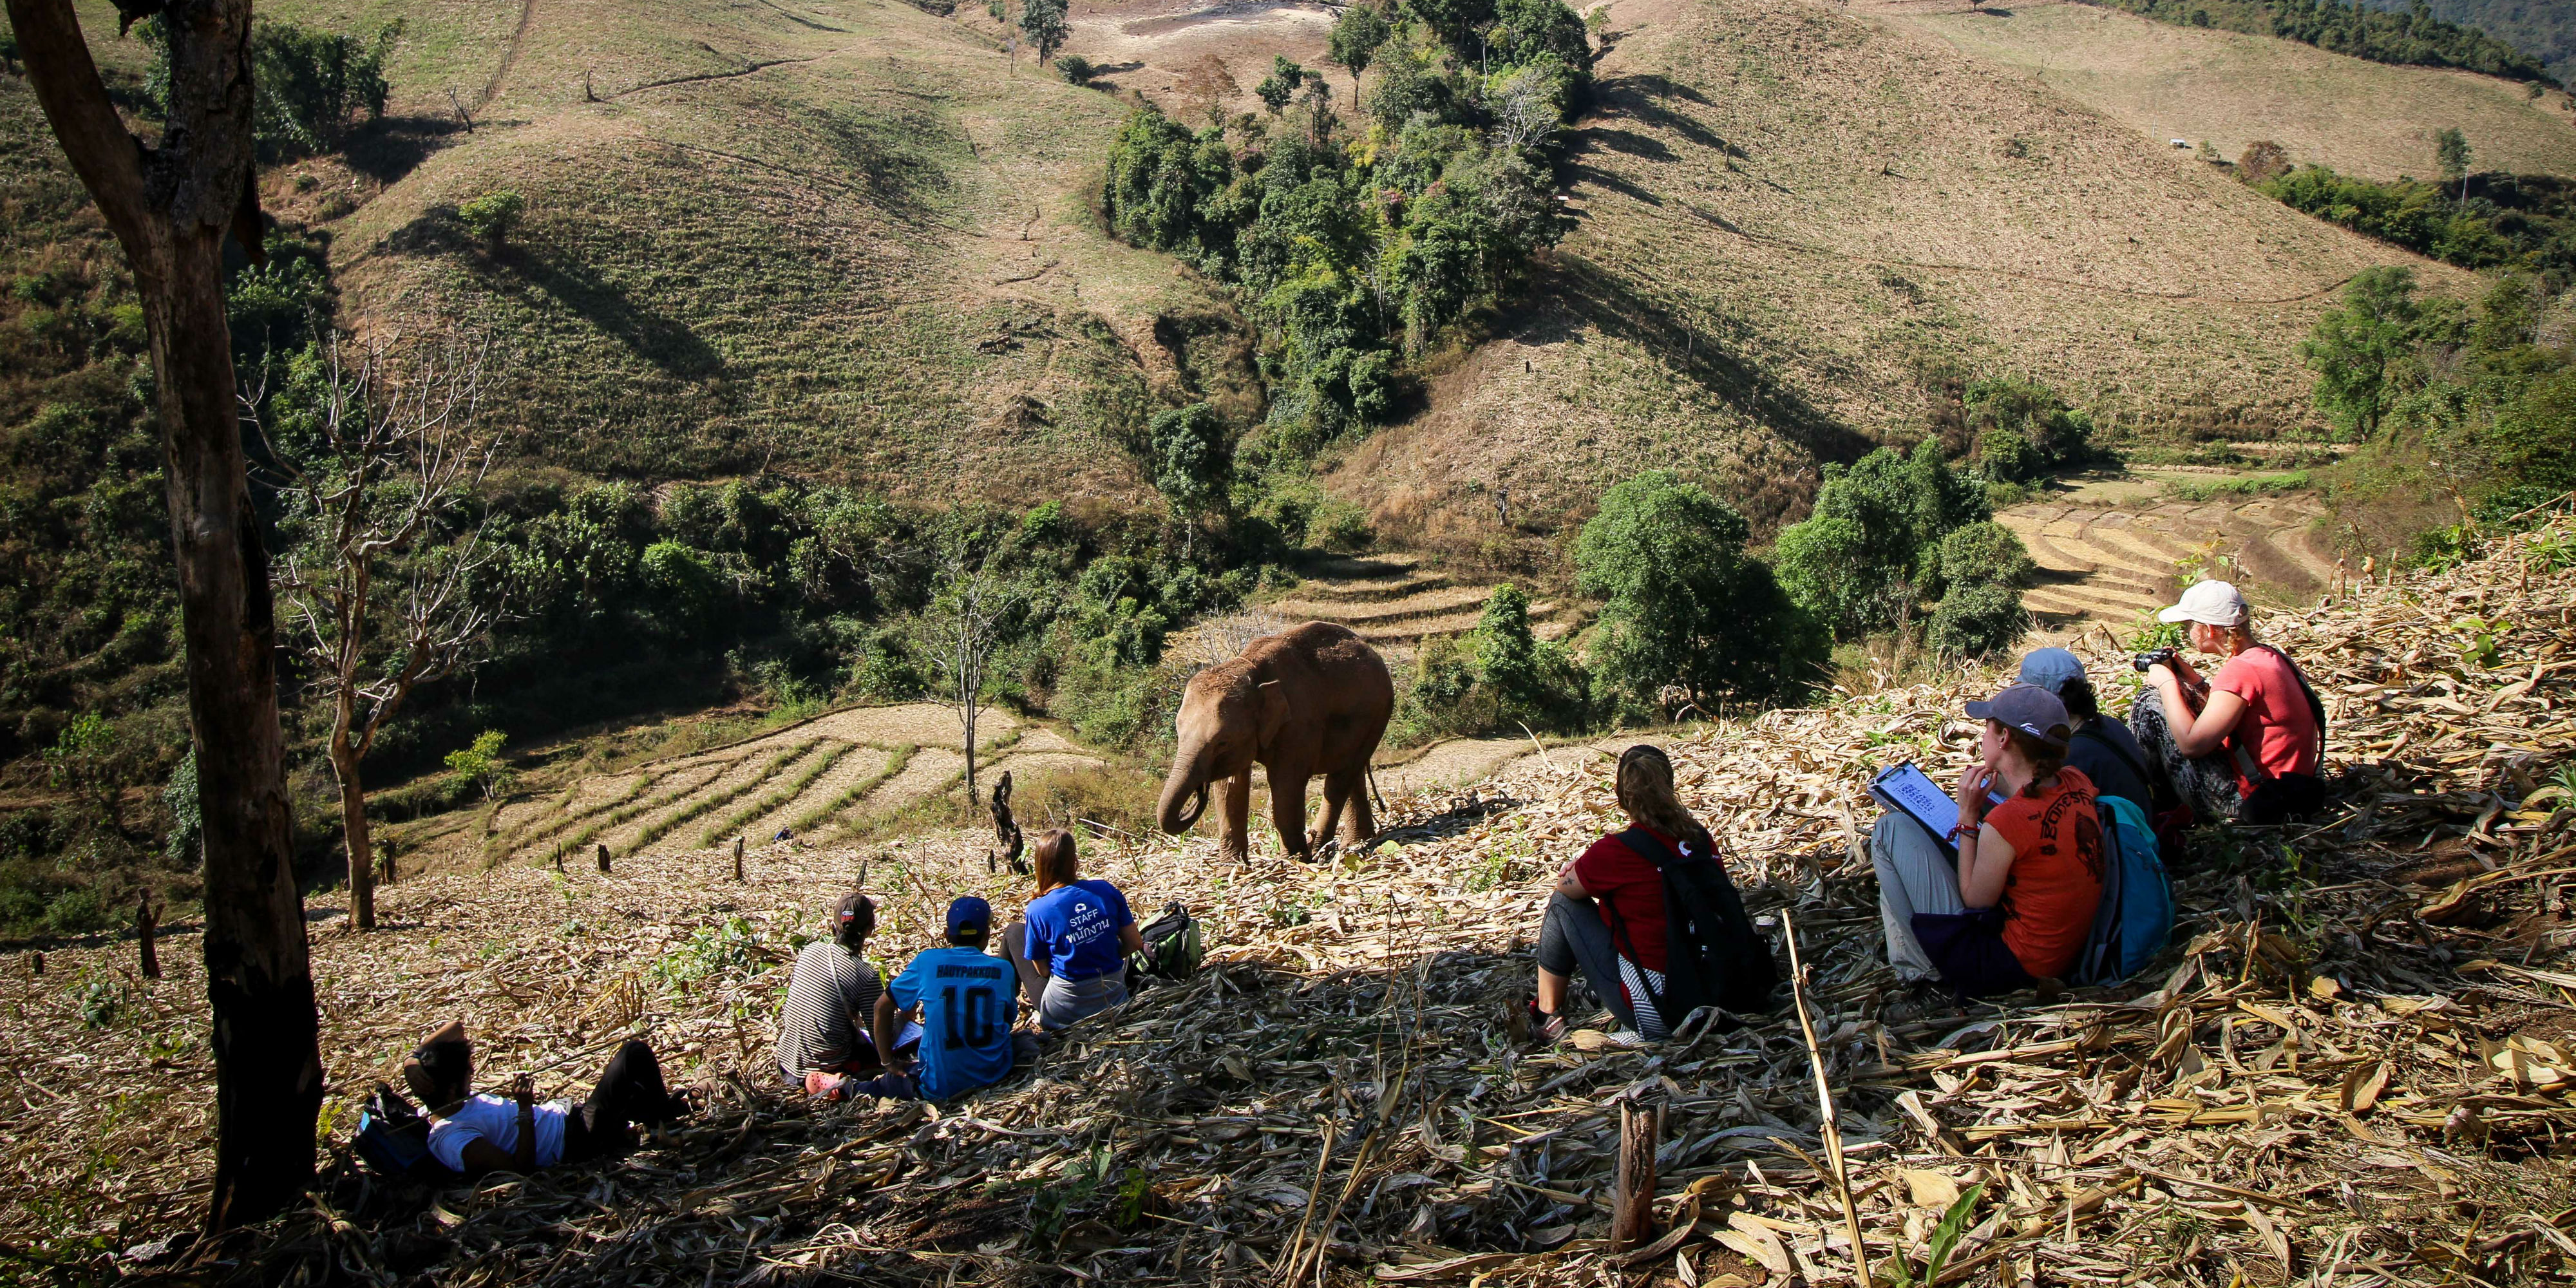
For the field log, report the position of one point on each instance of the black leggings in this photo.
(630, 1090)
(1572, 941)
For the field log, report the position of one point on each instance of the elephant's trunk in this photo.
(1185, 793)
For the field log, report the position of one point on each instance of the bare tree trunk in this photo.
(1632, 1194)
(170, 207)
(144, 924)
(354, 833)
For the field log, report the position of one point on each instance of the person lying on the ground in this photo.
(2102, 746)
(2245, 744)
(823, 1027)
(1606, 915)
(1071, 947)
(965, 1000)
(474, 1134)
(2016, 904)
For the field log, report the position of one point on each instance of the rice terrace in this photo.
(1288, 644)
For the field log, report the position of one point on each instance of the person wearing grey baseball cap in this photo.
(2243, 745)
(2015, 905)
(2102, 746)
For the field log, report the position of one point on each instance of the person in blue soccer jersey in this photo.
(965, 1001)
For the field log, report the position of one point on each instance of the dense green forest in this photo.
(2412, 36)
(1355, 255)
(2544, 29)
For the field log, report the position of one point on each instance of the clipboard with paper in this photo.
(1911, 792)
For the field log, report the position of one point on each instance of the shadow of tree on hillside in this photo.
(395, 146)
(1626, 142)
(1640, 98)
(665, 342)
(1613, 304)
(1599, 177)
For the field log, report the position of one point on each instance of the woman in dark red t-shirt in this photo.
(1606, 917)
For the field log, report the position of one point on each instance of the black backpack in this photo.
(1712, 955)
(393, 1140)
(1172, 947)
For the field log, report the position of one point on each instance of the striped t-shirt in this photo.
(815, 1029)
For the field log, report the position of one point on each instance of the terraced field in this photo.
(2109, 551)
(1395, 603)
(832, 775)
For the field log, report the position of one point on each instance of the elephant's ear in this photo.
(1274, 710)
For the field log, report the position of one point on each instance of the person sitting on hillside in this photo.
(2245, 744)
(474, 1134)
(1606, 916)
(1071, 947)
(965, 1000)
(2101, 746)
(823, 1027)
(2017, 903)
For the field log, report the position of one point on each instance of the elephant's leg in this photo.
(1236, 846)
(1337, 790)
(1363, 823)
(1288, 808)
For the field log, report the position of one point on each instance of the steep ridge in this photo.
(1787, 216)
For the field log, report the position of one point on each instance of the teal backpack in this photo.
(2135, 917)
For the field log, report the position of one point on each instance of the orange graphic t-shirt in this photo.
(2056, 878)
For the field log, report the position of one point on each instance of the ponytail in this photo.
(1645, 789)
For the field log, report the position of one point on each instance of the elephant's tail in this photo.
(1379, 796)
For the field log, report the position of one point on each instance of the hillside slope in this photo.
(1789, 216)
(2332, 1008)
(2196, 83)
(847, 239)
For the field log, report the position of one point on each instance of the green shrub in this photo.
(1339, 525)
(1976, 619)
(1685, 611)
(1986, 552)
(481, 764)
(493, 216)
(1077, 69)
(76, 911)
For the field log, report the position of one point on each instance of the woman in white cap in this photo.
(2017, 902)
(2244, 744)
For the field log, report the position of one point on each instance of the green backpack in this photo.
(1172, 947)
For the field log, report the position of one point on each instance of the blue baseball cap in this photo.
(969, 916)
(2051, 668)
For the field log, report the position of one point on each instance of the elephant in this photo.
(1312, 699)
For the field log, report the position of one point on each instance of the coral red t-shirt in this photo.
(2055, 883)
(2277, 727)
(1619, 877)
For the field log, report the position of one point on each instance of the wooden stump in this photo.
(737, 858)
(143, 925)
(35, 963)
(603, 857)
(386, 853)
(1632, 1198)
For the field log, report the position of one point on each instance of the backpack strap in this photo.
(2316, 705)
(1653, 850)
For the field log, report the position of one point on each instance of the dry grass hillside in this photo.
(2194, 83)
(848, 239)
(2350, 1066)
(1787, 214)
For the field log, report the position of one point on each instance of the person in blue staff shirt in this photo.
(965, 1000)
(1071, 947)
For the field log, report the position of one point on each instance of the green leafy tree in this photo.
(1193, 459)
(1825, 566)
(1355, 41)
(480, 763)
(2357, 349)
(1871, 548)
(187, 815)
(2451, 152)
(1975, 619)
(1280, 85)
(1043, 21)
(1986, 553)
(1686, 614)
